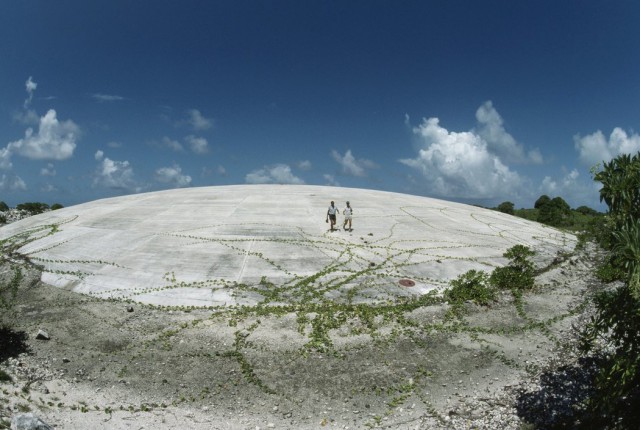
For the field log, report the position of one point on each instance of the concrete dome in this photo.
(231, 245)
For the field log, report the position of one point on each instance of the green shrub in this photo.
(56, 206)
(4, 376)
(3, 207)
(610, 271)
(506, 207)
(33, 207)
(519, 274)
(472, 285)
(616, 401)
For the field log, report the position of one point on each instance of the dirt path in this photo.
(117, 365)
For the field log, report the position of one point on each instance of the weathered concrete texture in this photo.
(227, 245)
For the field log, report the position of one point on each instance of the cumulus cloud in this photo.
(197, 121)
(54, 140)
(173, 176)
(12, 182)
(117, 175)
(49, 170)
(565, 185)
(5, 159)
(198, 145)
(277, 174)
(172, 144)
(596, 148)
(352, 166)
(491, 129)
(330, 180)
(30, 86)
(304, 165)
(460, 165)
(102, 98)
(572, 187)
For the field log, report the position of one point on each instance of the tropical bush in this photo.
(614, 333)
(506, 207)
(471, 286)
(519, 274)
(33, 207)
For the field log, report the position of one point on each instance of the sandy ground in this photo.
(114, 365)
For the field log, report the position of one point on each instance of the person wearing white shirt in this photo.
(331, 214)
(348, 212)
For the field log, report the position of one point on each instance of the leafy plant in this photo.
(626, 247)
(471, 286)
(519, 274)
(617, 325)
(33, 207)
(614, 333)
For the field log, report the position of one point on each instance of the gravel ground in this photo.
(117, 365)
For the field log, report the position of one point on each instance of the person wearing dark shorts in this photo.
(331, 214)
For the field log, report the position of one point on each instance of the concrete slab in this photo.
(229, 245)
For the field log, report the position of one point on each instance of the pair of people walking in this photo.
(333, 211)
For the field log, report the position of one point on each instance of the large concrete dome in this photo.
(231, 245)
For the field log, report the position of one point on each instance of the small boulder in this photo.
(28, 422)
(42, 335)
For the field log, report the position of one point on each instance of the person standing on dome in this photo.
(348, 212)
(331, 214)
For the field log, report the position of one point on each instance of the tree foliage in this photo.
(542, 200)
(555, 212)
(33, 207)
(617, 321)
(506, 207)
(3, 207)
(620, 190)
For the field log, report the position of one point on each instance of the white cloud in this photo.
(572, 188)
(331, 180)
(197, 121)
(173, 176)
(304, 165)
(595, 148)
(48, 188)
(352, 166)
(12, 182)
(114, 174)
(499, 142)
(564, 186)
(107, 97)
(172, 144)
(5, 159)
(30, 87)
(277, 174)
(49, 170)
(460, 165)
(54, 140)
(221, 170)
(198, 145)
(28, 117)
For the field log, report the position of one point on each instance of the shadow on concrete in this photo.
(12, 343)
(560, 401)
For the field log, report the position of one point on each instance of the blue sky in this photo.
(472, 101)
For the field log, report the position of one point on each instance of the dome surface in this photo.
(250, 244)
